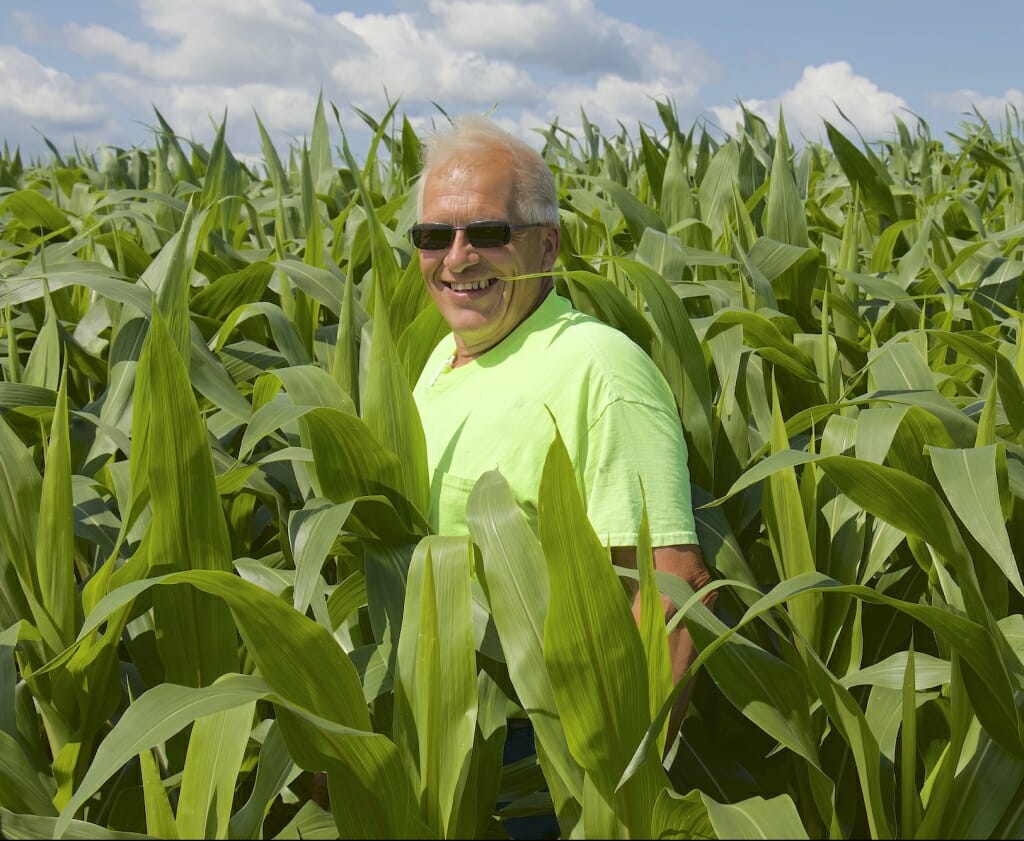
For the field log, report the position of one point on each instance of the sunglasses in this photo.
(435, 236)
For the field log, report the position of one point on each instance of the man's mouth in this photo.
(470, 286)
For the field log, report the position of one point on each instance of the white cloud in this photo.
(819, 95)
(37, 101)
(42, 93)
(192, 58)
(232, 41)
(571, 37)
(992, 108)
(610, 100)
(418, 64)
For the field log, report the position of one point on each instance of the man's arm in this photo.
(685, 561)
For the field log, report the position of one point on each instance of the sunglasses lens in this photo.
(489, 234)
(432, 237)
(436, 236)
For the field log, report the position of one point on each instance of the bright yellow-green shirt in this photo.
(614, 411)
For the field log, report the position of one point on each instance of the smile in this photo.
(470, 286)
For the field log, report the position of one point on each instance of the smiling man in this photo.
(518, 354)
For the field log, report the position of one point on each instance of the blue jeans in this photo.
(519, 744)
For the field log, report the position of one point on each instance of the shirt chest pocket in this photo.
(451, 504)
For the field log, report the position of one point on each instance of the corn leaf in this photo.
(593, 652)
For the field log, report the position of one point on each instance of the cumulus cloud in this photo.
(820, 94)
(40, 92)
(992, 108)
(231, 41)
(193, 58)
(417, 63)
(36, 101)
(572, 37)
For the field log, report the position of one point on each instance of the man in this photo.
(488, 212)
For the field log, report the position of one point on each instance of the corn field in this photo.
(216, 576)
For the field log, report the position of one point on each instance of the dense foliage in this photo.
(215, 572)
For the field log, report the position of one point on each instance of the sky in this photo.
(92, 73)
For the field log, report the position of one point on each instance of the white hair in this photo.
(535, 197)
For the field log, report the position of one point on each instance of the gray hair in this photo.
(535, 198)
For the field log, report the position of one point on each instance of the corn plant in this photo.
(216, 574)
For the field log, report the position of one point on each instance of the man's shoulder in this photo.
(605, 361)
(604, 343)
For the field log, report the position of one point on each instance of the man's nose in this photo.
(461, 253)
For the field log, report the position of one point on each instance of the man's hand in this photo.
(685, 561)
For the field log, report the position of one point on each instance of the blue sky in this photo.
(92, 72)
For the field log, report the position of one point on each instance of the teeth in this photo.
(468, 287)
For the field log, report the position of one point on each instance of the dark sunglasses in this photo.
(435, 236)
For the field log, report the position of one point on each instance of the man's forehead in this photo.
(470, 175)
(475, 161)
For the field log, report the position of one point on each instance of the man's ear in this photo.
(552, 243)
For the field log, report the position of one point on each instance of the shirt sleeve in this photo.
(629, 443)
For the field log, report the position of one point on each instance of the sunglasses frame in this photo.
(469, 228)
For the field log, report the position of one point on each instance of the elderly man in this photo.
(488, 212)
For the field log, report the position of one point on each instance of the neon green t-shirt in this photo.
(614, 411)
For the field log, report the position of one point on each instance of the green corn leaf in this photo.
(274, 771)
(34, 211)
(309, 385)
(188, 530)
(755, 818)
(390, 411)
(410, 300)
(44, 360)
(715, 188)
(386, 272)
(275, 169)
(156, 716)
(159, 815)
(788, 532)
(419, 339)
(784, 218)
(14, 825)
(652, 627)
(349, 463)
(1010, 385)
(21, 789)
(516, 579)
(320, 148)
(20, 492)
(768, 690)
(55, 541)
(872, 189)
(876, 785)
(969, 478)
(994, 670)
(682, 817)
(637, 215)
(986, 788)
(938, 789)
(345, 363)
(298, 658)
(285, 336)
(232, 290)
(676, 202)
(436, 685)
(216, 748)
(663, 253)
(322, 285)
(312, 532)
(593, 651)
(910, 803)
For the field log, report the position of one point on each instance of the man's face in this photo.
(467, 283)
